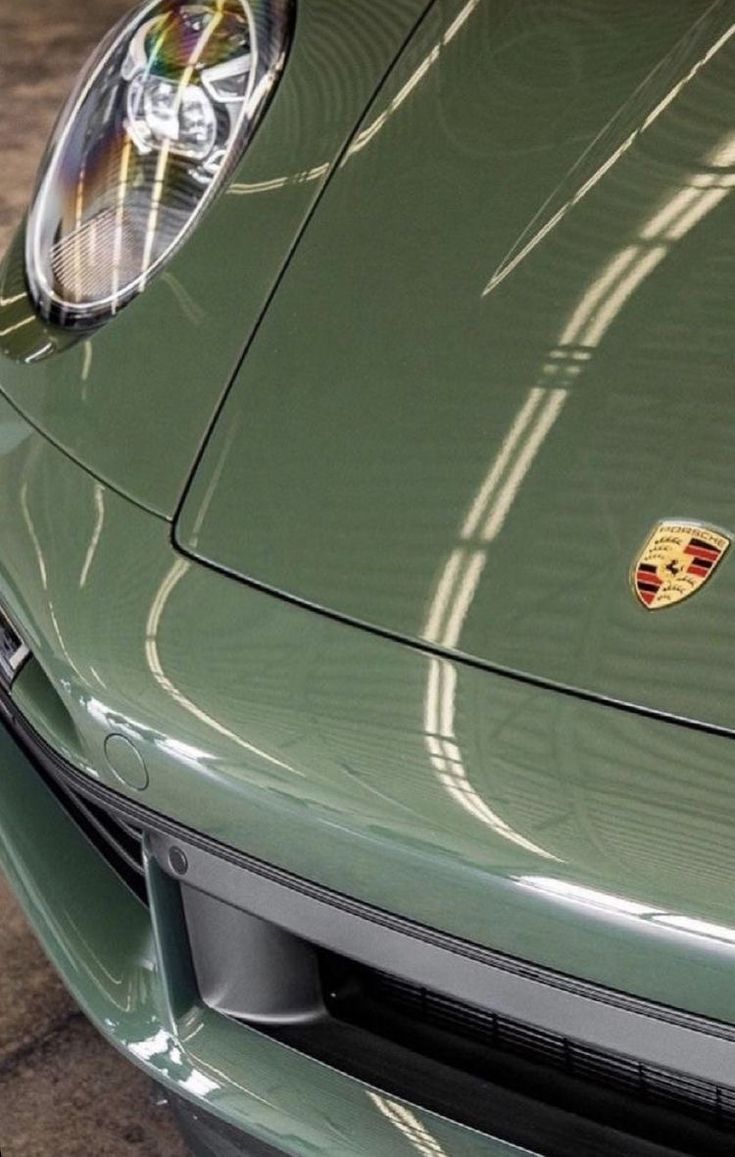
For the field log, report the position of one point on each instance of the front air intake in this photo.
(484, 1042)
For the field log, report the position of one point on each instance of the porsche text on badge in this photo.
(676, 561)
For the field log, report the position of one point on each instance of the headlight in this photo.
(160, 116)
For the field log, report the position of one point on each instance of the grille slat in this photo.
(134, 832)
(359, 994)
(124, 842)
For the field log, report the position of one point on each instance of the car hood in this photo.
(502, 354)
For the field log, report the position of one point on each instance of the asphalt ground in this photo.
(63, 1091)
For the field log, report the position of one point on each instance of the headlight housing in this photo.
(159, 118)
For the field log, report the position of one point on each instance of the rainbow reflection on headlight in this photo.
(162, 113)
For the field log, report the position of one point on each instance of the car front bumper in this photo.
(124, 966)
(152, 966)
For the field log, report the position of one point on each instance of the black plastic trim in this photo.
(208, 1136)
(76, 804)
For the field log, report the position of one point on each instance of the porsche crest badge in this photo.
(675, 562)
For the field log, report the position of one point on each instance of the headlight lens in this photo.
(163, 112)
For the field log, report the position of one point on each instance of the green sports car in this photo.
(367, 608)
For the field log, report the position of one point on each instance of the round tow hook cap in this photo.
(178, 861)
(126, 762)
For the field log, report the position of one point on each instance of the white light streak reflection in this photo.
(18, 325)
(14, 299)
(367, 134)
(33, 536)
(60, 637)
(99, 505)
(702, 929)
(488, 512)
(87, 353)
(164, 155)
(528, 450)
(478, 510)
(199, 1085)
(38, 354)
(446, 756)
(97, 677)
(645, 263)
(591, 299)
(78, 216)
(122, 191)
(620, 906)
(456, 591)
(589, 897)
(158, 606)
(409, 1125)
(241, 189)
(508, 266)
(157, 1045)
(631, 266)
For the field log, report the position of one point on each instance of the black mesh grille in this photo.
(387, 1005)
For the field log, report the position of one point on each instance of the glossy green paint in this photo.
(133, 401)
(125, 974)
(426, 787)
(415, 452)
(503, 352)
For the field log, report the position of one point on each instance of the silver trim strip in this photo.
(608, 1021)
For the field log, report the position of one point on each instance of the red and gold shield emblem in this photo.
(675, 562)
